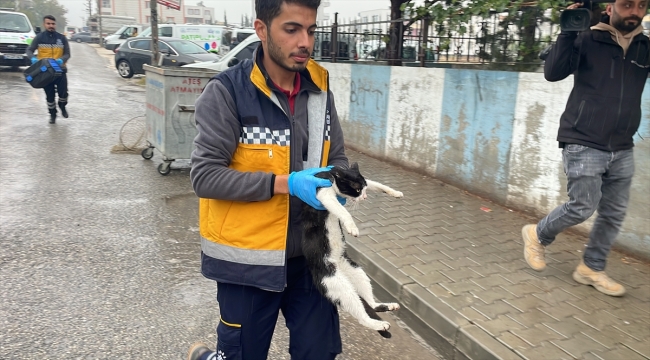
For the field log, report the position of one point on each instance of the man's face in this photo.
(289, 38)
(49, 25)
(626, 15)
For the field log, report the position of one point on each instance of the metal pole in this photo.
(425, 41)
(99, 22)
(335, 30)
(154, 32)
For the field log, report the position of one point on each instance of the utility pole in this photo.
(99, 22)
(89, 7)
(154, 32)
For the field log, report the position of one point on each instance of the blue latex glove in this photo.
(34, 60)
(59, 61)
(304, 184)
(341, 200)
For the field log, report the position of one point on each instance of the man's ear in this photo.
(261, 30)
(608, 9)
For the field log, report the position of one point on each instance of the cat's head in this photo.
(348, 182)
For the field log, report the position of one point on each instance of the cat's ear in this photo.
(336, 171)
(354, 166)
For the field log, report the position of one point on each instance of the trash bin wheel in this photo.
(147, 153)
(164, 168)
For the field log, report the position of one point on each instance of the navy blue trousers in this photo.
(249, 315)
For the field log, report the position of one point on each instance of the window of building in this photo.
(148, 19)
(106, 4)
(207, 13)
(364, 19)
(147, 4)
(375, 18)
(170, 19)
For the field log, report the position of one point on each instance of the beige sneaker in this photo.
(533, 250)
(597, 279)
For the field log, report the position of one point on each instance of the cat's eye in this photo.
(358, 190)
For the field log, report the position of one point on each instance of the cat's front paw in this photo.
(351, 228)
(396, 194)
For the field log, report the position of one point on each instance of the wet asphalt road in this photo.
(99, 254)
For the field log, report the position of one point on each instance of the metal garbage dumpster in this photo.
(170, 125)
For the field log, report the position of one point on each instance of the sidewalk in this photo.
(455, 264)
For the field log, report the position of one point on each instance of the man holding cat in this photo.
(265, 127)
(610, 63)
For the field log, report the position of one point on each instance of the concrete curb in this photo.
(437, 323)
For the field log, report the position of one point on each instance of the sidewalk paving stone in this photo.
(545, 350)
(578, 345)
(621, 352)
(463, 284)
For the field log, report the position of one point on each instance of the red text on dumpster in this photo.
(155, 109)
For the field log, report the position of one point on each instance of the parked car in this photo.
(238, 54)
(134, 53)
(80, 37)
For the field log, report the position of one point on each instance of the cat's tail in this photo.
(373, 315)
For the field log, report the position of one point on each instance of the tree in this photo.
(40, 8)
(454, 16)
(225, 18)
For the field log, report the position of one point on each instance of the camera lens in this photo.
(575, 20)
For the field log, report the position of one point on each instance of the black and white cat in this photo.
(337, 277)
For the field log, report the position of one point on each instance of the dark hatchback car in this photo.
(134, 53)
(81, 37)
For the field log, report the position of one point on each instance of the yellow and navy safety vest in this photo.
(50, 45)
(245, 242)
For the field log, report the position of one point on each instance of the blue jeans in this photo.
(597, 180)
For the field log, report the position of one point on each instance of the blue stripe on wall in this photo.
(369, 88)
(478, 112)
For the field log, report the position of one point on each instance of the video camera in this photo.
(579, 19)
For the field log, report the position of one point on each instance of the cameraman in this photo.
(610, 64)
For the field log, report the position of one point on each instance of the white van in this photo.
(213, 38)
(240, 34)
(238, 54)
(111, 42)
(16, 34)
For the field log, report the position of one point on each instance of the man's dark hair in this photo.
(267, 10)
(49, 17)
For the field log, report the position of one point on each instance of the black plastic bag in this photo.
(43, 73)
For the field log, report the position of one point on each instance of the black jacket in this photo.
(604, 108)
(52, 45)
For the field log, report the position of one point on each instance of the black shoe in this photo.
(63, 111)
(196, 350)
(52, 116)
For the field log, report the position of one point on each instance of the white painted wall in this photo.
(414, 112)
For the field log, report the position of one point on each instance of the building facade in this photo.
(199, 14)
(141, 11)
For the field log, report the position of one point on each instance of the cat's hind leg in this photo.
(361, 283)
(341, 292)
